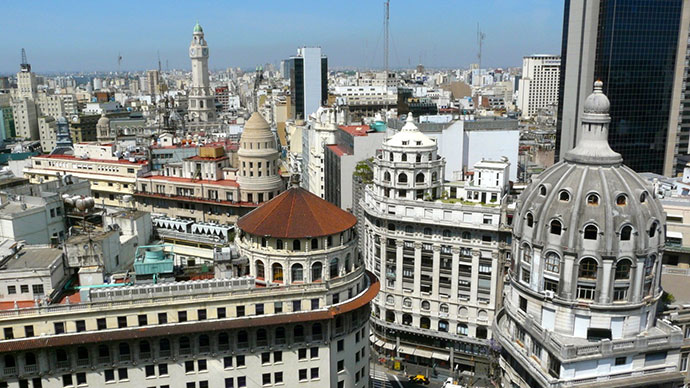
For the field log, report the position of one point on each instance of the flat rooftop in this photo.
(31, 258)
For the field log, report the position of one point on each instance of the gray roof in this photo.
(32, 258)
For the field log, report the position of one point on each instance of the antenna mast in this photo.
(119, 61)
(386, 6)
(25, 67)
(480, 40)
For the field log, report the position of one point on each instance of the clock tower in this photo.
(201, 104)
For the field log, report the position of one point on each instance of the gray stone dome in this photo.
(590, 207)
(103, 120)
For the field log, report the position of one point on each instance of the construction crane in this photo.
(25, 67)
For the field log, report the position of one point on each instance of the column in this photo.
(436, 269)
(417, 271)
(398, 265)
(454, 274)
(638, 279)
(567, 277)
(605, 295)
(475, 276)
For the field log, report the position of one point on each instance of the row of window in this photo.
(592, 198)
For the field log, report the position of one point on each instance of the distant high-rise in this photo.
(201, 105)
(538, 87)
(308, 73)
(633, 47)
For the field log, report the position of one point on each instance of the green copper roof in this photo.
(197, 28)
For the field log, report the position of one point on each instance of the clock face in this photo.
(204, 51)
(191, 51)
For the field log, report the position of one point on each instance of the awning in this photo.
(422, 353)
(372, 338)
(208, 228)
(440, 356)
(379, 343)
(672, 234)
(406, 349)
(389, 346)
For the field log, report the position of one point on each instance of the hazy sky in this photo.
(87, 35)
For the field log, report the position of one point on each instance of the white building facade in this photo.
(201, 104)
(539, 84)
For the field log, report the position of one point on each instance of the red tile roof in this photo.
(355, 130)
(338, 149)
(296, 213)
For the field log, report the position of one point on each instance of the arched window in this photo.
(406, 319)
(407, 302)
(419, 178)
(446, 233)
(652, 229)
(621, 200)
(297, 273)
(333, 270)
(223, 341)
(552, 262)
(426, 305)
(530, 220)
(279, 244)
(403, 157)
(164, 347)
(280, 335)
(424, 322)
(466, 236)
(277, 270)
(348, 263)
(261, 337)
(418, 158)
(593, 199)
(443, 308)
(204, 343)
(390, 299)
(643, 197)
(462, 329)
(588, 269)
(316, 331)
(427, 231)
(391, 227)
(30, 359)
(296, 245)
(314, 243)
(409, 229)
(556, 227)
(542, 190)
(10, 362)
(649, 264)
(185, 345)
(386, 176)
(591, 232)
(123, 347)
(526, 253)
(623, 269)
(104, 353)
(316, 272)
(443, 325)
(144, 348)
(626, 232)
(434, 176)
(402, 178)
(260, 273)
(60, 355)
(242, 339)
(564, 196)
(390, 316)
(463, 312)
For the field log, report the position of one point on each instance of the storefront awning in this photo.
(389, 346)
(422, 353)
(440, 356)
(372, 338)
(379, 343)
(406, 349)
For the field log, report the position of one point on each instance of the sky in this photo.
(88, 35)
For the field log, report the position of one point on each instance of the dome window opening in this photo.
(643, 197)
(564, 196)
(556, 227)
(652, 230)
(530, 220)
(404, 157)
(418, 157)
(621, 200)
(593, 200)
(626, 232)
(591, 232)
(542, 190)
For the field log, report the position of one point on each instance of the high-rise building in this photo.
(440, 261)
(539, 84)
(581, 297)
(632, 46)
(308, 72)
(680, 110)
(201, 106)
(152, 82)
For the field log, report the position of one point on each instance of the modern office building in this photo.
(583, 287)
(308, 81)
(439, 250)
(202, 107)
(637, 48)
(539, 84)
(291, 310)
(681, 103)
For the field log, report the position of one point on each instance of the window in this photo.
(552, 262)
(556, 227)
(81, 325)
(683, 362)
(626, 231)
(259, 307)
(593, 200)
(278, 307)
(24, 288)
(591, 232)
(315, 372)
(530, 220)
(542, 190)
(525, 275)
(240, 360)
(227, 362)
(182, 316)
(333, 268)
(620, 293)
(621, 200)
(101, 324)
(11, 289)
(523, 304)
(296, 305)
(277, 357)
(241, 381)
(620, 361)
(551, 285)
(109, 375)
(221, 312)
(229, 382)
(652, 229)
(143, 321)
(277, 272)
(314, 352)
(37, 289)
(162, 369)
(296, 273)
(122, 374)
(564, 196)
(341, 345)
(150, 370)
(59, 327)
(278, 377)
(302, 374)
(28, 331)
(260, 273)
(67, 380)
(588, 269)
(341, 365)
(554, 366)
(265, 358)
(302, 354)
(240, 311)
(201, 365)
(266, 378)
(622, 270)
(121, 322)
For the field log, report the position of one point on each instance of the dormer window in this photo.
(405, 142)
(418, 142)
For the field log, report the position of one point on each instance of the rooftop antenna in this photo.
(257, 81)
(386, 6)
(159, 61)
(480, 40)
(25, 67)
(119, 61)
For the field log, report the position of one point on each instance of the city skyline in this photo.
(237, 39)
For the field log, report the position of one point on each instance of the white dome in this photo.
(410, 136)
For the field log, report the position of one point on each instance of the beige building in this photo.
(258, 156)
(112, 178)
(47, 129)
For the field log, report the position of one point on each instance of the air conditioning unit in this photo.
(548, 294)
